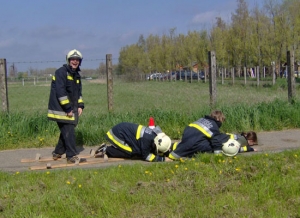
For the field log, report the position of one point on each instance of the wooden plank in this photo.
(49, 158)
(50, 166)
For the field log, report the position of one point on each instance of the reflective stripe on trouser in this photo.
(118, 142)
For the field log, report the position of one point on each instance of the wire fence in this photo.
(36, 82)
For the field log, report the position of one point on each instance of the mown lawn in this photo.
(259, 185)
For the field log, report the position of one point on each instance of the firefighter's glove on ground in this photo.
(160, 159)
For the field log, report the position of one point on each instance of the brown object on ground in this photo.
(273, 141)
(65, 165)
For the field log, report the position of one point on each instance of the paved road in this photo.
(274, 141)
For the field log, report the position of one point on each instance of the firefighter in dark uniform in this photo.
(202, 135)
(66, 105)
(246, 141)
(239, 143)
(129, 140)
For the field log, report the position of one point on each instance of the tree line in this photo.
(256, 37)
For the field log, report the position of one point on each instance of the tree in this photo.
(102, 68)
(217, 36)
(240, 32)
(277, 20)
(13, 71)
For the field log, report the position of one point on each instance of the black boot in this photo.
(75, 159)
(56, 156)
(101, 149)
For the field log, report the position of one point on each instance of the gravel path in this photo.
(274, 141)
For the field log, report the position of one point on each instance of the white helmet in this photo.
(231, 148)
(162, 142)
(74, 54)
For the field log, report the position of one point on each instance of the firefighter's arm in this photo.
(79, 111)
(168, 159)
(80, 100)
(246, 148)
(61, 90)
(154, 158)
(146, 149)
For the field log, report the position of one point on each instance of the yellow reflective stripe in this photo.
(65, 102)
(53, 78)
(69, 77)
(126, 148)
(60, 117)
(138, 132)
(80, 100)
(200, 129)
(152, 157)
(172, 157)
(244, 148)
(77, 81)
(232, 136)
(175, 146)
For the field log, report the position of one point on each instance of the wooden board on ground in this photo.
(89, 161)
(39, 158)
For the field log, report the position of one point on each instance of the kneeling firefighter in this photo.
(130, 140)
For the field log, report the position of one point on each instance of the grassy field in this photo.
(130, 97)
(260, 185)
(172, 104)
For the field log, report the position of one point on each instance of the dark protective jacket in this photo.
(136, 140)
(245, 147)
(65, 95)
(202, 135)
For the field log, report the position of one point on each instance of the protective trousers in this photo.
(115, 151)
(67, 140)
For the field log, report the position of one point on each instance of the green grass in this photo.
(172, 104)
(260, 185)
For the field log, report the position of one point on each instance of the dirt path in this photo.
(274, 141)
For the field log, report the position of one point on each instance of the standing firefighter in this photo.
(133, 140)
(66, 105)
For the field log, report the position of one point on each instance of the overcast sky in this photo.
(39, 33)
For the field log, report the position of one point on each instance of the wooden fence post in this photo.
(273, 72)
(223, 71)
(290, 75)
(109, 82)
(257, 75)
(245, 75)
(3, 85)
(212, 78)
(232, 75)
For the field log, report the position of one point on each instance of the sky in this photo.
(38, 34)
